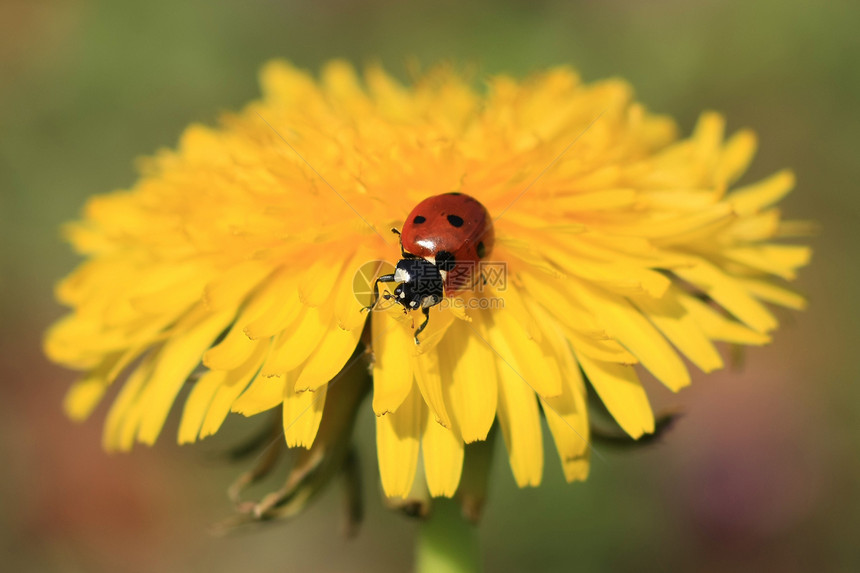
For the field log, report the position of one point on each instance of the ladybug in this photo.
(441, 243)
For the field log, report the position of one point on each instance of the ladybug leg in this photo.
(426, 311)
(375, 298)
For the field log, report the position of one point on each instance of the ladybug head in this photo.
(421, 284)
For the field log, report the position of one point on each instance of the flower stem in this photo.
(447, 543)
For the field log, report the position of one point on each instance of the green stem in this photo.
(447, 543)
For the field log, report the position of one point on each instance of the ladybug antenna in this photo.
(375, 296)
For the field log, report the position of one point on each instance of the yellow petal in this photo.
(231, 352)
(605, 199)
(611, 248)
(519, 419)
(719, 327)
(769, 291)
(566, 308)
(295, 343)
(238, 346)
(120, 427)
(174, 298)
(231, 287)
(627, 325)
(621, 392)
(82, 343)
(520, 255)
(281, 307)
(58, 342)
(780, 260)
(737, 154)
(328, 359)
(566, 414)
(753, 198)
(472, 387)
(302, 414)
(515, 310)
(346, 306)
(619, 278)
(283, 83)
(342, 83)
(442, 450)
(535, 363)
(600, 348)
(264, 393)
(235, 383)
(681, 328)
(536, 369)
(730, 293)
(717, 220)
(176, 361)
(392, 364)
(708, 134)
(668, 228)
(678, 200)
(85, 394)
(397, 444)
(197, 405)
(387, 93)
(318, 283)
(757, 227)
(570, 432)
(429, 380)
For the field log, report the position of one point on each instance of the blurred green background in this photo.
(760, 474)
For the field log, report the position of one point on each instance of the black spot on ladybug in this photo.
(445, 261)
(454, 193)
(455, 220)
(418, 220)
(482, 250)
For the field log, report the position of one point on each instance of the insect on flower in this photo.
(234, 257)
(442, 241)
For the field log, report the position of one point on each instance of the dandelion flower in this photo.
(231, 264)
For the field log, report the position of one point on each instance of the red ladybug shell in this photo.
(450, 223)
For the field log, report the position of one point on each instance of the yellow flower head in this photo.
(232, 264)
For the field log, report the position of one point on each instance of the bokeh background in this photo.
(760, 474)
